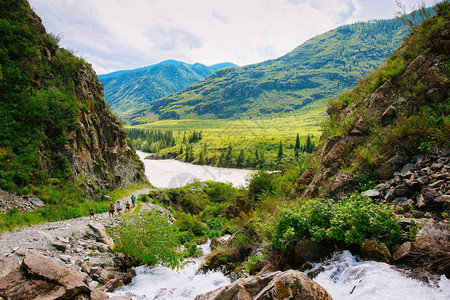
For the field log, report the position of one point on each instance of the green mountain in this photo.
(317, 70)
(55, 124)
(139, 88)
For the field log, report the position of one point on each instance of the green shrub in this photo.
(148, 239)
(260, 185)
(190, 223)
(346, 222)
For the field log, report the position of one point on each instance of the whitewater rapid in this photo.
(346, 278)
(167, 284)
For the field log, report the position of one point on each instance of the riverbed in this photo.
(171, 173)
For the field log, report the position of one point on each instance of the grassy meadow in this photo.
(255, 142)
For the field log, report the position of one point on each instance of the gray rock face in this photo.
(278, 285)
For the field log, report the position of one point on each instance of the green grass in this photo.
(125, 191)
(250, 135)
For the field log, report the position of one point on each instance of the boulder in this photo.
(8, 264)
(100, 232)
(375, 250)
(402, 251)
(290, 284)
(372, 193)
(433, 237)
(306, 250)
(40, 276)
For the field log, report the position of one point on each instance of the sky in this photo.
(127, 34)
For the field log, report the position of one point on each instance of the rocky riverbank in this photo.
(42, 258)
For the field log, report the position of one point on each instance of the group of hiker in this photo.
(118, 207)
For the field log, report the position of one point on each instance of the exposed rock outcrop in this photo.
(371, 120)
(98, 149)
(278, 285)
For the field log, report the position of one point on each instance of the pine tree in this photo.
(280, 151)
(240, 159)
(297, 145)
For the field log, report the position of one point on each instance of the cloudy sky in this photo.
(127, 34)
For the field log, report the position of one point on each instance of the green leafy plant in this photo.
(148, 239)
(348, 221)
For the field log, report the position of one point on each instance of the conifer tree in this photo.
(297, 145)
(280, 151)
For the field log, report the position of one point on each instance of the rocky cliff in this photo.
(55, 122)
(98, 149)
(395, 113)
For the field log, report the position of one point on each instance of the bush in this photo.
(346, 222)
(188, 222)
(261, 184)
(148, 239)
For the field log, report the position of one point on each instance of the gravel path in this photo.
(40, 237)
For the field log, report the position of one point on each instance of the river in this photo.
(166, 284)
(343, 276)
(171, 173)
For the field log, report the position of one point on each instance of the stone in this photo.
(93, 285)
(8, 264)
(406, 169)
(375, 250)
(120, 298)
(429, 195)
(309, 251)
(100, 232)
(290, 284)
(433, 237)
(59, 245)
(402, 251)
(390, 195)
(372, 193)
(403, 202)
(107, 198)
(99, 295)
(41, 277)
(86, 267)
(442, 199)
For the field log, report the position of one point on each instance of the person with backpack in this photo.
(133, 200)
(111, 209)
(91, 213)
(118, 207)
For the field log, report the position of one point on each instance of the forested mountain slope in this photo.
(126, 91)
(317, 70)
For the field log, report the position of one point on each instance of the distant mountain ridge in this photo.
(127, 90)
(317, 70)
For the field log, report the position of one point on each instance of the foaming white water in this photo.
(165, 283)
(171, 173)
(346, 278)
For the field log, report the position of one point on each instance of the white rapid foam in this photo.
(346, 278)
(165, 283)
(171, 173)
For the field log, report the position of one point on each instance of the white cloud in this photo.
(126, 34)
